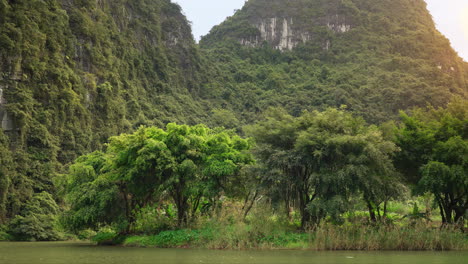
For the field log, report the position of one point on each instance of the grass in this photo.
(263, 229)
(419, 237)
(326, 237)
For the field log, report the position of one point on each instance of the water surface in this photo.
(82, 253)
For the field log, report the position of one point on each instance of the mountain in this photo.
(75, 72)
(375, 56)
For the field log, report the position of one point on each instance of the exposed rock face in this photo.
(6, 120)
(285, 25)
(277, 31)
(282, 34)
(2, 100)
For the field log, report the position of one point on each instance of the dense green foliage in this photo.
(76, 73)
(5, 176)
(327, 238)
(434, 154)
(389, 58)
(324, 167)
(193, 166)
(37, 221)
(318, 161)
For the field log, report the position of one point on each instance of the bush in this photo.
(167, 239)
(87, 234)
(107, 237)
(37, 221)
(4, 236)
(152, 220)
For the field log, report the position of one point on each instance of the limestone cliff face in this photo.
(277, 31)
(49, 48)
(285, 24)
(283, 34)
(5, 118)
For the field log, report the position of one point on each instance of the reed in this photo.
(324, 237)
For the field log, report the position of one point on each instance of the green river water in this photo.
(74, 253)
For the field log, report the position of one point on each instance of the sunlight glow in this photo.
(464, 21)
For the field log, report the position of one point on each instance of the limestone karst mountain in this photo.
(375, 56)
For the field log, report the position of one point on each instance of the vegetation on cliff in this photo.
(376, 57)
(74, 73)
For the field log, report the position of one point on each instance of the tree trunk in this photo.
(459, 215)
(181, 202)
(442, 214)
(249, 207)
(385, 209)
(305, 219)
(128, 208)
(305, 214)
(195, 206)
(287, 204)
(372, 216)
(182, 208)
(448, 214)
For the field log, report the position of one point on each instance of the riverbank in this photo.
(327, 237)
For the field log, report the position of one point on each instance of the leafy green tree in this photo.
(188, 163)
(139, 165)
(93, 198)
(37, 221)
(322, 159)
(434, 155)
(203, 163)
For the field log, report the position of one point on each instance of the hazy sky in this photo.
(450, 16)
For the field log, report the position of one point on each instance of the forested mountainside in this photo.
(375, 56)
(74, 72)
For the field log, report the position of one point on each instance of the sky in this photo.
(450, 16)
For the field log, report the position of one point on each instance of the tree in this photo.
(187, 163)
(203, 162)
(93, 198)
(37, 220)
(435, 141)
(321, 159)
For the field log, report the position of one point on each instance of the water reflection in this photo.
(82, 253)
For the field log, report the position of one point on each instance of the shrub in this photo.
(152, 220)
(37, 221)
(107, 237)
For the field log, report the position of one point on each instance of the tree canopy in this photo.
(321, 159)
(434, 155)
(186, 163)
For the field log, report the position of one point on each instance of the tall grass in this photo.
(327, 237)
(265, 229)
(419, 237)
